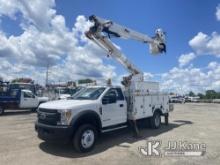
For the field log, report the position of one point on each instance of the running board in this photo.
(112, 129)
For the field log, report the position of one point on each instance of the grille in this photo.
(48, 116)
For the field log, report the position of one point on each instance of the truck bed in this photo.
(8, 100)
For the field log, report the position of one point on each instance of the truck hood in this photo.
(69, 104)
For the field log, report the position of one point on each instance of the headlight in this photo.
(65, 117)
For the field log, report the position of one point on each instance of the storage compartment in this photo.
(144, 99)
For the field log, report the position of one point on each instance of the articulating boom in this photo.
(103, 30)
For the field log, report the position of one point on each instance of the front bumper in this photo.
(50, 133)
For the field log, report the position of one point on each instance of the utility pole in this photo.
(47, 74)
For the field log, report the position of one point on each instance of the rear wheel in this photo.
(2, 111)
(85, 138)
(155, 121)
(34, 110)
(166, 117)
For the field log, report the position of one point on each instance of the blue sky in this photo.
(182, 21)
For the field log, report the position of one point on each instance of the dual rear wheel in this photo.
(155, 120)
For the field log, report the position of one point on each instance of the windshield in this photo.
(89, 94)
(70, 91)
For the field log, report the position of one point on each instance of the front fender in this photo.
(86, 116)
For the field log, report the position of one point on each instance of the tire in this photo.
(34, 110)
(166, 117)
(2, 111)
(155, 121)
(85, 138)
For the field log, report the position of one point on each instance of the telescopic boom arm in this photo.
(103, 30)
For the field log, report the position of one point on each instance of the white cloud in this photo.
(184, 59)
(31, 11)
(148, 76)
(218, 12)
(204, 44)
(47, 40)
(183, 80)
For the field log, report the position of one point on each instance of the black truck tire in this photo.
(85, 138)
(1, 111)
(155, 121)
(166, 118)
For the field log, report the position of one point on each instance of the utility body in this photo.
(98, 109)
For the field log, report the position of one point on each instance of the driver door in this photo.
(28, 100)
(113, 113)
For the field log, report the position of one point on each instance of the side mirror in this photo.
(110, 98)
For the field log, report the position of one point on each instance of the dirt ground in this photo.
(194, 123)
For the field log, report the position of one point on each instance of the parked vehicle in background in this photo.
(18, 85)
(192, 99)
(177, 99)
(19, 99)
(65, 93)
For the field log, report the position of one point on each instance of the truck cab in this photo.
(28, 100)
(100, 108)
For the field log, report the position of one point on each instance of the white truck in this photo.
(99, 109)
(20, 99)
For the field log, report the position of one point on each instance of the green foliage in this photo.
(85, 81)
(209, 94)
(191, 94)
(201, 96)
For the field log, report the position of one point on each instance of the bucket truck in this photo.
(100, 109)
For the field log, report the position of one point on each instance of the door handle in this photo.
(121, 105)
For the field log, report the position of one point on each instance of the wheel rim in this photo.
(157, 120)
(88, 138)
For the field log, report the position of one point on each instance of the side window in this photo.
(120, 95)
(118, 92)
(110, 90)
(28, 95)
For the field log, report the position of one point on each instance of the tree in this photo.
(191, 94)
(201, 96)
(211, 94)
(85, 81)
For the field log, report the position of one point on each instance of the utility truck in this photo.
(99, 109)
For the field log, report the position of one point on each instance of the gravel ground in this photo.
(194, 123)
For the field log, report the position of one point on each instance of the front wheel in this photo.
(2, 111)
(155, 121)
(85, 138)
